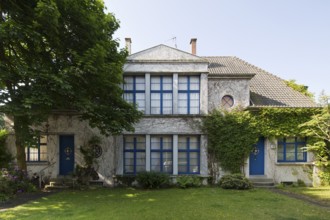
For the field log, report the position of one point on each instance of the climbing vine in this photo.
(283, 122)
(231, 136)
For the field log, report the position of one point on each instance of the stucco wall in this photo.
(219, 87)
(71, 125)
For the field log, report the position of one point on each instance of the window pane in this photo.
(129, 97)
(182, 143)
(155, 83)
(128, 85)
(183, 83)
(140, 83)
(194, 83)
(140, 159)
(194, 169)
(129, 169)
(155, 143)
(290, 152)
(167, 145)
(280, 150)
(43, 152)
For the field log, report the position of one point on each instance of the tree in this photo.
(60, 54)
(300, 88)
(318, 131)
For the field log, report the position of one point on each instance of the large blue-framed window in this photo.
(134, 91)
(134, 154)
(37, 152)
(291, 149)
(161, 95)
(188, 97)
(161, 149)
(189, 155)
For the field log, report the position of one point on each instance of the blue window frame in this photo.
(161, 97)
(189, 155)
(188, 97)
(161, 154)
(38, 151)
(134, 154)
(134, 91)
(291, 150)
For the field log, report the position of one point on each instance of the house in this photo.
(175, 90)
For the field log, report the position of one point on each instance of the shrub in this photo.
(188, 181)
(125, 180)
(14, 180)
(235, 181)
(152, 180)
(5, 156)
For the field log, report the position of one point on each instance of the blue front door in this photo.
(257, 158)
(66, 154)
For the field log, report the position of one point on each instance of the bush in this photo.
(125, 180)
(235, 181)
(5, 156)
(153, 180)
(188, 181)
(12, 181)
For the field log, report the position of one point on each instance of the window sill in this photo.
(293, 163)
(174, 116)
(37, 163)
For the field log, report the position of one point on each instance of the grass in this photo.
(321, 194)
(198, 203)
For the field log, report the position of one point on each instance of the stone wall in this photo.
(219, 87)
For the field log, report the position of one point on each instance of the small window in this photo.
(37, 152)
(291, 150)
(227, 101)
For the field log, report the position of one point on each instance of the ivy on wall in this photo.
(231, 136)
(283, 122)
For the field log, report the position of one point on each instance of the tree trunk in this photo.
(20, 148)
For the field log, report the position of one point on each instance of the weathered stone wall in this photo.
(285, 172)
(168, 125)
(219, 87)
(71, 125)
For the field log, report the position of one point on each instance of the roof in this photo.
(266, 89)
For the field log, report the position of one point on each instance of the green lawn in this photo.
(319, 193)
(199, 203)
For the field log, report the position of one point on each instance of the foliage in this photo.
(125, 180)
(64, 47)
(300, 88)
(283, 122)
(88, 171)
(13, 180)
(318, 131)
(188, 181)
(5, 156)
(231, 136)
(235, 181)
(153, 180)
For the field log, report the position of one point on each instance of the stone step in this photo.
(262, 182)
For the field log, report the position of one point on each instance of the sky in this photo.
(288, 38)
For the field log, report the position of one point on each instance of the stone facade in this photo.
(170, 62)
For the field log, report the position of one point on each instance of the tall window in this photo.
(188, 101)
(37, 152)
(189, 155)
(162, 154)
(134, 154)
(290, 150)
(161, 94)
(134, 91)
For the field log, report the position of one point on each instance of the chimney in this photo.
(193, 45)
(128, 42)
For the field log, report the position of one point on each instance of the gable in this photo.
(163, 53)
(165, 59)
